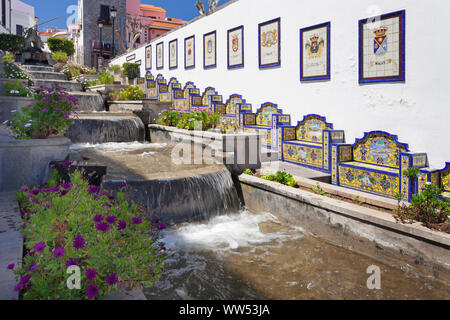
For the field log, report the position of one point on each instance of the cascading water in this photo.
(102, 129)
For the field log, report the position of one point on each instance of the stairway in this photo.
(47, 76)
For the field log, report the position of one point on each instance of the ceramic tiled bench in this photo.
(309, 143)
(440, 178)
(231, 113)
(267, 120)
(181, 99)
(150, 89)
(375, 164)
(205, 102)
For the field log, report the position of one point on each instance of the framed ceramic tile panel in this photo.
(382, 48)
(189, 52)
(173, 54)
(160, 55)
(269, 42)
(315, 52)
(235, 55)
(148, 57)
(209, 50)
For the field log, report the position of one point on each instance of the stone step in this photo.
(29, 67)
(268, 155)
(45, 75)
(67, 85)
(89, 101)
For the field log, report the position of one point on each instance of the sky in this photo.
(49, 9)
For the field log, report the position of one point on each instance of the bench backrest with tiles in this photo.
(141, 84)
(161, 88)
(231, 112)
(440, 178)
(150, 88)
(173, 85)
(267, 120)
(309, 143)
(376, 164)
(206, 101)
(181, 98)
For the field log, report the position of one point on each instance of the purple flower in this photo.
(10, 266)
(91, 274)
(102, 226)
(35, 192)
(92, 291)
(25, 189)
(54, 189)
(93, 189)
(111, 219)
(110, 197)
(59, 252)
(22, 282)
(58, 110)
(78, 242)
(67, 164)
(33, 267)
(161, 226)
(122, 185)
(86, 158)
(111, 279)
(72, 262)
(45, 110)
(28, 195)
(64, 192)
(136, 220)
(121, 225)
(24, 236)
(39, 247)
(98, 218)
(66, 185)
(52, 165)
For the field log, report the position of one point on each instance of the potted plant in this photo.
(130, 71)
(61, 59)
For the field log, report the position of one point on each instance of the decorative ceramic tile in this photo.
(382, 48)
(289, 134)
(379, 148)
(209, 50)
(269, 43)
(148, 57)
(231, 106)
(235, 56)
(264, 115)
(310, 129)
(160, 55)
(173, 54)
(303, 154)
(315, 52)
(189, 52)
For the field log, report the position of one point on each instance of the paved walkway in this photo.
(11, 243)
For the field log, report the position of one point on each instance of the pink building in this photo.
(154, 18)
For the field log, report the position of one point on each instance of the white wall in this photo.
(21, 14)
(416, 110)
(5, 29)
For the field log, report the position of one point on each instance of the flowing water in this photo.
(255, 256)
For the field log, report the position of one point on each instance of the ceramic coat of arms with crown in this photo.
(269, 38)
(380, 45)
(314, 46)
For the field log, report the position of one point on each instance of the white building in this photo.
(5, 8)
(22, 17)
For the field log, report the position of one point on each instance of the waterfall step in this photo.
(268, 155)
(47, 75)
(29, 67)
(67, 85)
(89, 101)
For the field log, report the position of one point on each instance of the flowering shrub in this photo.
(49, 114)
(132, 93)
(72, 71)
(16, 88)
(106, 78)
(9, 58)
(13, 71)
(12, 42)
(74, 224)
(60, 57)
(187, 120)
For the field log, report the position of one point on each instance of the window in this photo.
(105, 14)
(19, 30)
(4, 13)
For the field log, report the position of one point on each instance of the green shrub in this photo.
(92, 83)
(73, 224)
(13, 71)
(188, 120)
(106, 78)
(60, 57)
(9, 58)
(49, 114)
(249, 172)
(115, 68)
(281, 177)
(132, 93)
(12, 43)
(427, 207)
(131, 70)
(17, 88)
(64, 45)
(72, 71)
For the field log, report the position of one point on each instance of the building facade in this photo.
(154, 18)
(87, 40)
(22, 17)
(5, 9)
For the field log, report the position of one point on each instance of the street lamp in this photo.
(113, 16)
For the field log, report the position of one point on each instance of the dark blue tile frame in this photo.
(215, 50)
(176, 54)
(278, 63)
(402, 76)
(185, 40)
(228, 49)
(151, 54)
(328, 75)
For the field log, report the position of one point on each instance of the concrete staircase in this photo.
(47, 76)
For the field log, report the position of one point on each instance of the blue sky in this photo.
(48, 9)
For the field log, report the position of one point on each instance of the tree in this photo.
(64, 45)
(134, 28)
